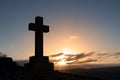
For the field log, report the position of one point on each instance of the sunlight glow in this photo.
(61, 63)
(68, 51)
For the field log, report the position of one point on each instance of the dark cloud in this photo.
(103, 54)
(87, 57)
(83, 61)
(77, 56)
(55, 60)
(55, 55)
(70, 58)
(88, 60)
(116, 55)
(102, 57)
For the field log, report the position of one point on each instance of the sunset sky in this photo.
(84, 28)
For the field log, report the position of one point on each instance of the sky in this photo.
(87, 28)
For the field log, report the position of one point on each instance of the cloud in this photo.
(117, 55)
(55, 61)
(77, 56)
(55, 55)
(109, 54)
(107, 57)
(70, 58)
(88, 60)
(112, 57)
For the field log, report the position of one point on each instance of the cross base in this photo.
(38, 66)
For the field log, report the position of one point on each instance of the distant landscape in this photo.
(107, 73)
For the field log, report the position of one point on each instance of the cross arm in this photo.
(45, 28)
(32, 27)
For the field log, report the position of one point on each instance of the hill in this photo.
(108, 73)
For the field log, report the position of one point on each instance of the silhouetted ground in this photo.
(67, 76)
(16, 74)
(108, 73)
(9, 70)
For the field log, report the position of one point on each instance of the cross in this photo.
(39, 29)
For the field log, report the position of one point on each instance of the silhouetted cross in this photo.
(39, 28)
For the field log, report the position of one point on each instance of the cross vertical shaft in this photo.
(38, 43)
(39, 28)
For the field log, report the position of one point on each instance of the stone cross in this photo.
(39, 29)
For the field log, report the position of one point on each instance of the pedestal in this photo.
(38, 66)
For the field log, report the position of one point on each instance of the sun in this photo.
(61, 63)
(68, 51)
